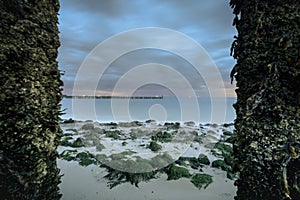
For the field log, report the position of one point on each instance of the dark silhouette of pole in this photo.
(30, 97)
(267, 143)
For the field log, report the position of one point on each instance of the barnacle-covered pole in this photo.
(267, 50)
(30, 97)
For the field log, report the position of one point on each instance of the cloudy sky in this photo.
(157, 61)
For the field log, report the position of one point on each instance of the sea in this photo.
(166, 109)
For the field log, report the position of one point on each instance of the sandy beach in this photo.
(89, 181)
(79, 183)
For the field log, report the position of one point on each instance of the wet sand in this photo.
(87, 183)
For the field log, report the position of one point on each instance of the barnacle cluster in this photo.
(30, 97)
(267, 145)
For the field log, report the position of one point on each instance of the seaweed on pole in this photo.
(30, 95)
(267, 146)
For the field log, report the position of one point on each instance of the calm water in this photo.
(202, 110)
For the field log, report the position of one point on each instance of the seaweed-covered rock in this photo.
(88, 126)
(139, 165)
(181, 162)
(172, 125)
(86, 158)
(79, 142)
(154, 146)
(203, 159)
(161, 161)
(199, 138)
(221, 165)
(68, 155)
(69, 121)
(227, 133)
(194, 163)
(189, 123)
(116, 177)
(228, 124)
(162, 137)
(224, 148)
(98, 131)
(113, 134)
(117, 156)
(149, 121)
(102, 158)
(100, 147)
(201, 180)
(175, 173)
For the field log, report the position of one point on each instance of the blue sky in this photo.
(85, 24)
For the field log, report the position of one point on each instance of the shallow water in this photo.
(166, 109)
(79, 183)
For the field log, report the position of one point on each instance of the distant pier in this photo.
(112, 97)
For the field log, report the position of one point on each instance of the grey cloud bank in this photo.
(85, 24)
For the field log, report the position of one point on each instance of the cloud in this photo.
(84, 25)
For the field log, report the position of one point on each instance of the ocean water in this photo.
(202, 110)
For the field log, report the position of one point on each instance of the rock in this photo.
(67, 155)
(203, 159)
(154, 146)
(88, 126)
(220, 164)
(79, 142)
(201, 180)
(224, 148)
(150, 121)
(230, 140)
(181, 162)
(227, 133)
(176, 173)
(113, 134)
(161, 161)
(117, 156)
(194, 163)
(199, 138)
(102, 158)
(190, 123)
(171, 125)
(100, 147)
(86, 159)
(68, 121)
(162, 137)
(228, 125)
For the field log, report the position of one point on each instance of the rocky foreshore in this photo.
(139, 151)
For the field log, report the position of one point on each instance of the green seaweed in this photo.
(100, 147)
(162, 137)
(203, 159)
(86, 159)
(113, 134)
(175, 173)
(154, 146)
(88, 126)
(221, 165)
(201, 180)
(68, 155)
(68, 121)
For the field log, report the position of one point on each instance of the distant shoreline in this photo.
(112, 97)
